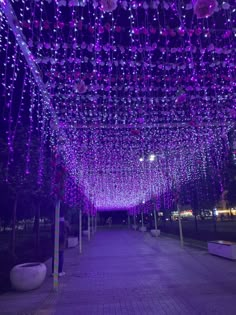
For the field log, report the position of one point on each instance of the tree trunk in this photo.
(13, 231)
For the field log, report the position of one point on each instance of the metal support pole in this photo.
(89, 236)
(180, 228)
(96, 222)
(56, 246)
(92, 224)
(155, 218)
(134, 219)
(80, 231)
(128, 220)
(142, 218)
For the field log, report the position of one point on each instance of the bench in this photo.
(222, 248)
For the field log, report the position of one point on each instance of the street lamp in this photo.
(152, 157)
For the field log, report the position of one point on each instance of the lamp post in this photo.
(128, 220)
(56, 246)
(93, 224)
(155, 217)
(80, 231)
(142, 218)
(88, 226)
(180, 227)
(96, 222)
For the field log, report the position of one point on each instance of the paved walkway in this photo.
(125, 272)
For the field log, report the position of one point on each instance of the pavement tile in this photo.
(123, 272)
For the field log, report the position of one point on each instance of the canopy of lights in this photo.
(136, 98)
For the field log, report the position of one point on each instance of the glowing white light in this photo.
(141, 159)
(152, 157)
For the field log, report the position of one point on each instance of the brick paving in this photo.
(123, 272)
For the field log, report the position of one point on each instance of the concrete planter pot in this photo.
(143, 229)
(135, 227)
(72, 241)
(155, 233)
(29, 276)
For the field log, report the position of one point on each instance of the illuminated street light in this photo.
(152, 157)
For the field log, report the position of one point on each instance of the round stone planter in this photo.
(135, 227)
(155, 233)
(72, 241)
(29, 276)
(143, 229)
